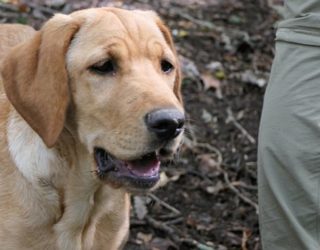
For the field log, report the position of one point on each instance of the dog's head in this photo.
(114, 76)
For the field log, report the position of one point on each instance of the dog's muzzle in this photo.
(143, 172)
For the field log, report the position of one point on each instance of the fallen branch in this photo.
(175, 221)
(238, 193)
(232, 119)
(174, 234)
(164, 204)
(244, 185)
(170, 216)
(230, 185)
(202, 23)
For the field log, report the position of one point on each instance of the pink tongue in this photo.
(145, 167)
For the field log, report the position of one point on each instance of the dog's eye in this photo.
(104, 68)
(166, 66)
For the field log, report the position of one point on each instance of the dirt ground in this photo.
(208, 200)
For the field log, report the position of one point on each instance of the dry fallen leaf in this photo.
(249, 76)
(216, 189)
(209, 164)
(146, 238)
(245, 237)
(210, 82)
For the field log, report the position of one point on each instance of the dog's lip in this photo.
(144, 167)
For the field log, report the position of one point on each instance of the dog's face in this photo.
(120, 74)
(121, 84)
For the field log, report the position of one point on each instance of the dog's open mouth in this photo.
(142, 173)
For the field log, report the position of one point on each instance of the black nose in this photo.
(165, 123)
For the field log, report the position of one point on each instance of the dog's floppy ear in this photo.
(36, 80)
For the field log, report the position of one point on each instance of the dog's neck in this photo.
(31, 156)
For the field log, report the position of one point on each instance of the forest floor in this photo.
(208, 200)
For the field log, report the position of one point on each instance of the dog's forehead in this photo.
(107, 22)
(128, 32)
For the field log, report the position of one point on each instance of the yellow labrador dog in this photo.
(89, 106)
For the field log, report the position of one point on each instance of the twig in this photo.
(162, 226)
(175, 221)
(171, 216)
(212, 149)
(196, 21)
(230, 185)
(232, 119)
(164, 204)
(237, 192)
(174, 234)
(243, 185)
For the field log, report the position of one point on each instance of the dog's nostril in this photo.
(165, 123)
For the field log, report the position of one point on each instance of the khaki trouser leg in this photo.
(289, 151)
